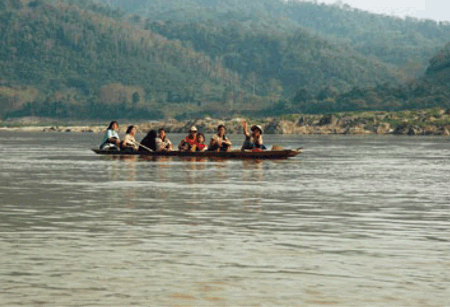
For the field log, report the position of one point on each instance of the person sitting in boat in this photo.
(129, 142)
(200, 144)
(253, 140)
(219, 141)
(162, 142)
(149, 141)
(187, 143)
(111, 140)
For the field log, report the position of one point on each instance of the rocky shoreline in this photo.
(417, 122)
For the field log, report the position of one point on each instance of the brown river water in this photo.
(353, 221)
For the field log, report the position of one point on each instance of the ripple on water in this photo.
(354, 221)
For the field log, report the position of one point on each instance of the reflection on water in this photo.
(354, 221)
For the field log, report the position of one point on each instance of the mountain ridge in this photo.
(82, 58)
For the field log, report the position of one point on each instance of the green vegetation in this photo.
(406, 43)
(68, 59)
(273, 63)
(142, 59)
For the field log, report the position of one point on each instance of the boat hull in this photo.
(267, 154)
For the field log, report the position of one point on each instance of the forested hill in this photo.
(293, 60)
(439, 70)
(391, 39)
(153, 59)
(408, 43)
(58, 53)
(75, 58)
(432, 90)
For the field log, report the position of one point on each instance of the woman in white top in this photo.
(219, 141)
(162, 142)
(129, 142)
(111, 140)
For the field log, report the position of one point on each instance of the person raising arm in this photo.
(253, 140)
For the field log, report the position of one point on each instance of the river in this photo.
(353, 221)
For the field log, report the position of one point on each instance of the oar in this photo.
(145, 147)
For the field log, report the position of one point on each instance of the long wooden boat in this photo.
(236, 154)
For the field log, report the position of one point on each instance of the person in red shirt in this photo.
(189, 141)
(200, 144)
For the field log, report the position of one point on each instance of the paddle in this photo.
(145, 147)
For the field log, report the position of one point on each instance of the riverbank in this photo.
(415, 122)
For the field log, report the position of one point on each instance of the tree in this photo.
(252, 82)
(135, 100)
(302, 95)
(274, 90)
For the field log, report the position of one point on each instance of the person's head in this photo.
(200, 138)
(221, 130)
(162, 133)
(256, 130)
(113, 125)
(193, 131)
(131, 130)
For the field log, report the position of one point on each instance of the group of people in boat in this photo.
(194, 141)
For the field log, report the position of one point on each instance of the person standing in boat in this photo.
(253, 140)
(111, 140)
(162, 142)
(219, 141)
(187, 143)
(129, 142)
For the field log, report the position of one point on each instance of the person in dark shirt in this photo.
(253, 140)
(219, 141)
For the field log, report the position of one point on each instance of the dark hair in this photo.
(149, 141)
(201, 134)
(111, 124)
(159, 131)
(224, 135)
(129, 129)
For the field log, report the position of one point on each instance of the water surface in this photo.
(353, 221)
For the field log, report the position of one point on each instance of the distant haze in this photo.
(424, 9)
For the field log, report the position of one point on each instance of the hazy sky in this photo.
(431, 9)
